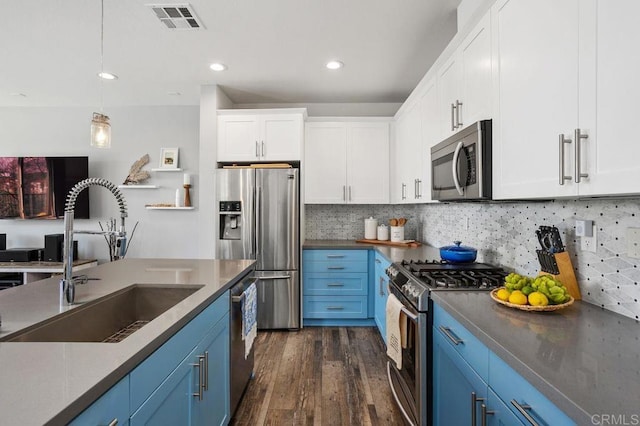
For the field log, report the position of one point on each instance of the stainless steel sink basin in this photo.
(109, 319)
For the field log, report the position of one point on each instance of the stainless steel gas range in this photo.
(412, 283)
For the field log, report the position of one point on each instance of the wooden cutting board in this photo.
(407, 244)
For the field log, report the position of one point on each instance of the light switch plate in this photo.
(589, 243)
(633, 242)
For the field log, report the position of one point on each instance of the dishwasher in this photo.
(241, 367)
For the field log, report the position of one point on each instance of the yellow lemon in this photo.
(518, 298)
(503, 294)
(538, 299)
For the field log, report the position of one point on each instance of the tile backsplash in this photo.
(504, 233)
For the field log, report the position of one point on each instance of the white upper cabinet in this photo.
(464, 81)
(347, 162)
(536, 57)
(567, 86)
(609, 93)
(408, 153)
(254, 135)
(430, 130)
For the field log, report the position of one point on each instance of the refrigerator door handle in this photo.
(258, 215)
(275, 277)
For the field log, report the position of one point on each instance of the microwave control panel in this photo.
(470, 152)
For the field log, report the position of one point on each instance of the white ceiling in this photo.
(275, 51)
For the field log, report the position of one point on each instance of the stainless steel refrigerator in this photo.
(259, 212)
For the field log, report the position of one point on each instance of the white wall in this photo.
(382, 109)
(135, 131)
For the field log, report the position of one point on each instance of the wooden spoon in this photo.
(393, 222)
(402, 221)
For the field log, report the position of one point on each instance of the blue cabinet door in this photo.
(381, 293)
(113, 405)
(171, 403)
(497, 412)
(214, 409)
(455, 384)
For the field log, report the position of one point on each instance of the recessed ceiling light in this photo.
(218, 66)
(107, 75)
(18, 95)
(334, 65)
(174, 93)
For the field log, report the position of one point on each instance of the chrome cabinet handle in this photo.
(450, 335)
(380, 287)
(335, 285)
(378, 261)
(335, 308)
(200, 366)
(344, 193)
(113, 422)
(485, 413)
(474, 403)
(335, 256)
(415, 188)
(349, 192)
(522, 409)
(335, 267)
(404, 188)
(458, 105)
(578, 138)
(453, 112)
(419, 181)
(561, 141)
(206, 370)
(257, 150)
(262, 148)
(454, 168)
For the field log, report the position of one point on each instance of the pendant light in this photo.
(100, 126)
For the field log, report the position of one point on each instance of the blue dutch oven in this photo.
(458, 254)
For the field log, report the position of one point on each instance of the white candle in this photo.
(187, 179)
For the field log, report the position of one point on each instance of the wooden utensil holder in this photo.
(567, 275)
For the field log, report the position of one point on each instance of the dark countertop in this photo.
(53, 382)
(583, 358)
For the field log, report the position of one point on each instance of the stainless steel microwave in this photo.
(461, 165)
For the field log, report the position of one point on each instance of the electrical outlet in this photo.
(589, 243)
(633, 242)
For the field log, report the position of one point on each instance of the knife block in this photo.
(567, 275)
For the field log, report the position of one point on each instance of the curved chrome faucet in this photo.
(68, 281)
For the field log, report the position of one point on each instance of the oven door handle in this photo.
(413, 317)
(454, 168)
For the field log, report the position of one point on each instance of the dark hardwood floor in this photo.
(319, 376)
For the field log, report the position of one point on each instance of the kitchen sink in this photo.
(109, 319)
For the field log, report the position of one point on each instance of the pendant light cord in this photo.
(101, 56)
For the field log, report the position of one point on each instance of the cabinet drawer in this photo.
(337, 307)
(338, 266)
(147, 376)
(471, 349)
(353, 284)
(335, 256)
(511, 386)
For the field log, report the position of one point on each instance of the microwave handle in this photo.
(454, 168)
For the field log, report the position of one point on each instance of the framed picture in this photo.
(168, 158)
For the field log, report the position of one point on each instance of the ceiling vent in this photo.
(177, 16)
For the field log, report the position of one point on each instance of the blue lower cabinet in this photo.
(343, 307)
(458, 391)
(496, 412)
(522, 397)
(113, 405)
(380, 293)
(215, 406)
(171, 403)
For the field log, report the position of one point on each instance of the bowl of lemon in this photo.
(541, 294)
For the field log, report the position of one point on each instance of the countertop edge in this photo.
(564, 403)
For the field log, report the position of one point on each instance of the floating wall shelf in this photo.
(138, 186)
(169, 208)
(166, 170)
